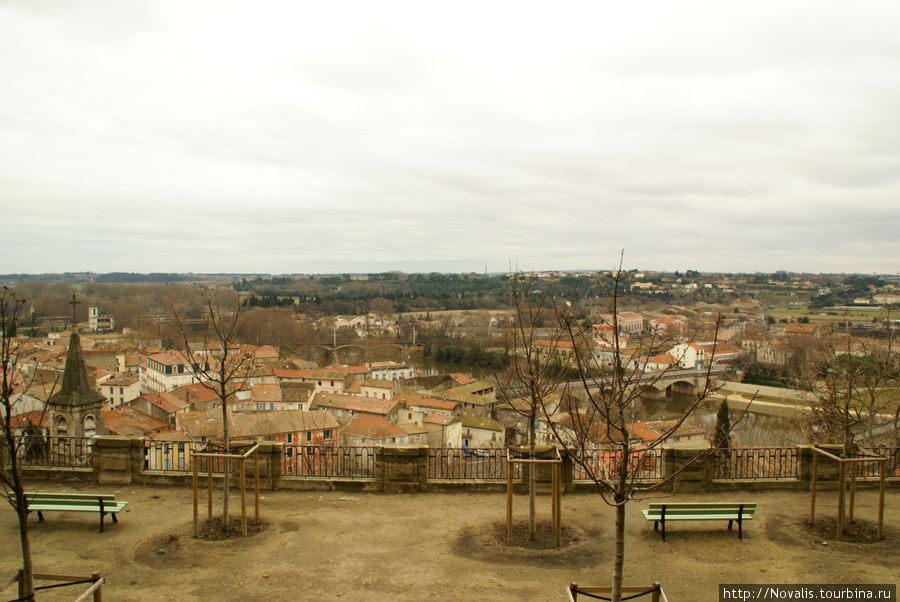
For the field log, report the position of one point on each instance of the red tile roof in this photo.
(165, 401)
(372, 427)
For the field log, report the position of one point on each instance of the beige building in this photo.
(627, 323)
(479, 432)
(120, 389)
(380, 389)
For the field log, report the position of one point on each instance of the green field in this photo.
(830, 314)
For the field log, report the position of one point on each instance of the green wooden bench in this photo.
(101, 503)
(731, 511)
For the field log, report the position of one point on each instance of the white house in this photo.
(689, 355)
(121, 388)
(167, 371)
(389, 371)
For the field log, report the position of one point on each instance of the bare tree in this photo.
(534, 374)
(219, 364)
(611, 396)
(852, 385)
(879, 374)
(10, 381)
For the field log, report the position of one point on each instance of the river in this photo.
(750, 429)
(429, 367)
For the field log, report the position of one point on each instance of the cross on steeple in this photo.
(74, 302)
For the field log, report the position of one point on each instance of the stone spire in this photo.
(75, 389)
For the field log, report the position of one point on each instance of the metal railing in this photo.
(469, 464)
(337, 462)
(330, 462)
(45, 451)
(643, 464)
(168, 456)
(756, 463)
(871, 469)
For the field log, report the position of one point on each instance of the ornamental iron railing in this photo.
(329, 462)
(757, 463)
(54, 452)
(459, 464)
(643, 464)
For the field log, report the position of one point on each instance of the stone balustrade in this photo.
(403, 469)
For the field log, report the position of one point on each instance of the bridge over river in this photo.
(668, 384)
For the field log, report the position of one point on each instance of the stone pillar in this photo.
(543, 473)
(698, 474)
(270, 455)
(117, 459)
(829, 469)
(400, 469)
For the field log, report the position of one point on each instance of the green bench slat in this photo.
(684, 517)
(734, 505)
(118, 507)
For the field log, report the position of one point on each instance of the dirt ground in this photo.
(332, 545)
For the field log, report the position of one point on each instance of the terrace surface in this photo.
(357, 546)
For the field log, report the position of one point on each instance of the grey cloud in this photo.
(707, 137)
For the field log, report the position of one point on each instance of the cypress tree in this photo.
(722, 437)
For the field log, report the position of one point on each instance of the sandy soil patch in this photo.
(333, 545)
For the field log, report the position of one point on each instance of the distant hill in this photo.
(134, 278)
(112, 277)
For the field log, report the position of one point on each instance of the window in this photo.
(308, 436)
(290, 437)
(89, 426)
(326, 434)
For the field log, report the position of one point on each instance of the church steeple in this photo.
(75, 388)
(76, 410)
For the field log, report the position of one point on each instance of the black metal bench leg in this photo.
(102, 514)
(656, 525)
(662, 519)
(740, 523)
(115, 520)
(729, 524)
(40, 515)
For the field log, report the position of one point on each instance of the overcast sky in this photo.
(311, 137)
